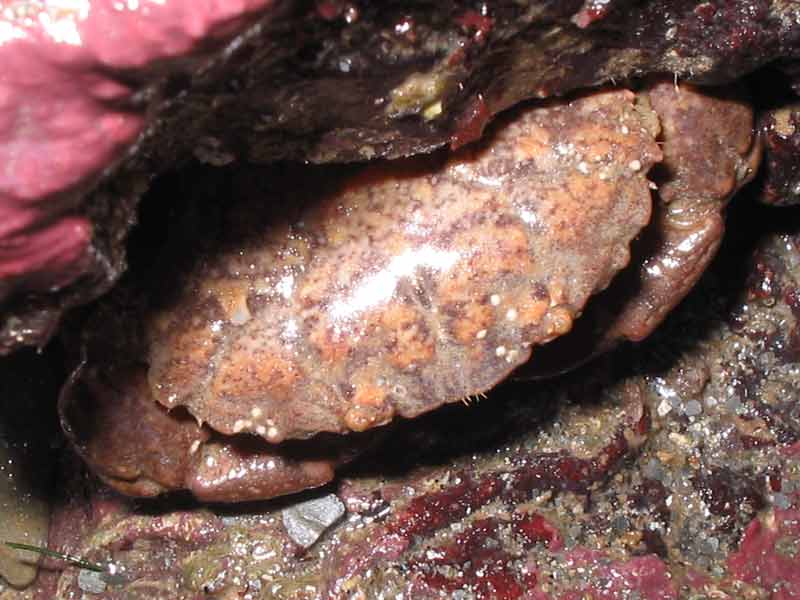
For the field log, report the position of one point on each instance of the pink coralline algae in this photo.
(65, 115)
(644, 577)
(767, 555)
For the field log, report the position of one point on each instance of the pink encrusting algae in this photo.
(63, 115)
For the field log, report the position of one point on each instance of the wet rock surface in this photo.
(321, 81)
(781, 132)
(27, 434)
(68, 116)
(666, 472)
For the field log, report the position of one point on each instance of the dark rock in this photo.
(780, 129)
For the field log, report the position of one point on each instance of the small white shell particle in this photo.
(664, 408)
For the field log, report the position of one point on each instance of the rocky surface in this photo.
(780, 129)
(667, 473)
(28, 427)
(320, 81)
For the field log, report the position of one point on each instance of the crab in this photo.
(327, 303)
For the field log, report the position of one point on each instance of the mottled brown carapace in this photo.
(410, 284)
(711, 150)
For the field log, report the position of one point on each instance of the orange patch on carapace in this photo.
(368, 409)
(473, 317)
(536, 142)
(194, 349)
(251, 372)
(408, 340)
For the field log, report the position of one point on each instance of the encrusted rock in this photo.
(780, 128)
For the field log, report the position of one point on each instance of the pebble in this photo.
(91, 582)
(306, 521)
(693, 408)
(664, 408)
(781, 501)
